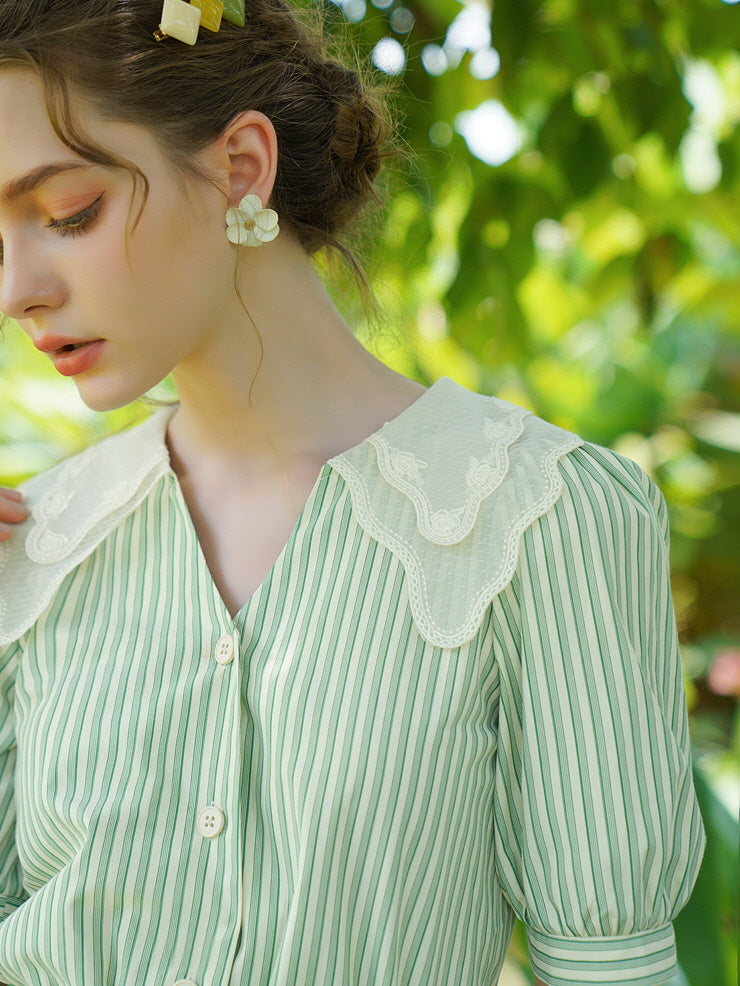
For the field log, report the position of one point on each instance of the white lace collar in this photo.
(449, 487)
(423, 486)
(72, 507)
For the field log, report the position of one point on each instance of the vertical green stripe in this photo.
(390, 805)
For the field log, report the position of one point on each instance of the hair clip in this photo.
(181, 19)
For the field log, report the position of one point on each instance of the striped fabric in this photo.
(314, 795)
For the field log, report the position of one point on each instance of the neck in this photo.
(287, 382)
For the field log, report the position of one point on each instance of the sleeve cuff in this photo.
(645, 959)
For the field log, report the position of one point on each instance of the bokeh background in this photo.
(564, 233)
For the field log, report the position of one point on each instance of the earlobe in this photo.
(251, 153)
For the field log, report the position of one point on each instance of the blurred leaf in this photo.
(704, 931)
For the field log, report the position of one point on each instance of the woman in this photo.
(316, 676)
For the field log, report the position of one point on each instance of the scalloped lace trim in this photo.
(452, 576)
(72, 508)
(404, 471)
(47, 546)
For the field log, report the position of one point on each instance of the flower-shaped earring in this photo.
(250, 224)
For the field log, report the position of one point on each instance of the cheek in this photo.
(133, 273)
(106, 271)
(174, 269)
(167, 257)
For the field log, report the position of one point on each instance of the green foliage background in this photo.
(592, 276)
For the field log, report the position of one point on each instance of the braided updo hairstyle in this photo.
(332, 129)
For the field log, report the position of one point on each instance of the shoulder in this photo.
(72, 507)
(453, 484)
(451, 451)
(66, 502)
(143, 443)
(603, 487)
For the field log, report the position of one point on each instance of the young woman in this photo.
(317, 676)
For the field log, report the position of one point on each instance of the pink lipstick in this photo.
(70, 356)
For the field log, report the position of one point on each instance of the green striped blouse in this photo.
(314, 792)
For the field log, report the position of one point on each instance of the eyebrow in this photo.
(28, 183)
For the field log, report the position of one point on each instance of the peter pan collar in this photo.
(448, 486)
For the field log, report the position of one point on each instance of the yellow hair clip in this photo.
(181, 19)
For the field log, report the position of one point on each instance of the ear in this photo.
(246, 154)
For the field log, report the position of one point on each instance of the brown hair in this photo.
(332, 128)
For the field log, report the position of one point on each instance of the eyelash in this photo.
(72, 225)
(80, 223)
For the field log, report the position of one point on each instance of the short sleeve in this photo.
(12, 892)
(598, 835)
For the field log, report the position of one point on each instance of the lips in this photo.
(60, 345)
(71, 356)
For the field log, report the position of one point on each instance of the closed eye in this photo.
(75, 225)
(79, 223)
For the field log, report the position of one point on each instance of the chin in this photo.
(99, 397)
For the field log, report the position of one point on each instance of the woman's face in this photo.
(66, 274)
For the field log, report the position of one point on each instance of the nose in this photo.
(28, 285)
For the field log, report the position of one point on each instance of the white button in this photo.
(211, 821)
(224, 650)
(186, 982)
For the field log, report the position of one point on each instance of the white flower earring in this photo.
(250, 224)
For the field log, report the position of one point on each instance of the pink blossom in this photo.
(724, 674)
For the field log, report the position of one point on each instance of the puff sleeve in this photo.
(12, 892)
(597, 830)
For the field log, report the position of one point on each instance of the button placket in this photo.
(211, 820)
(217, 808)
